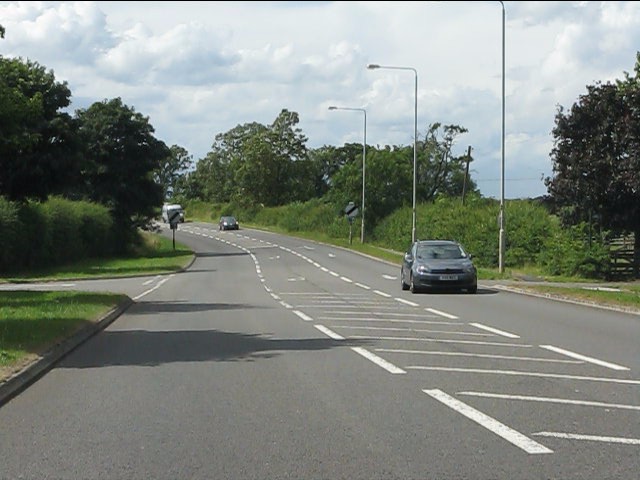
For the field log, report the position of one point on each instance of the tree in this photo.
(172, 167)
(121, 157)
(596, 162)
(439, 172)
(38, 148)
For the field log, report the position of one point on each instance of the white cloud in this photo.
(200, 68)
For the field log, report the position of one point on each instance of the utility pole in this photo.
(466, 174)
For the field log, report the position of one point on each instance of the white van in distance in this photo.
(169, 208)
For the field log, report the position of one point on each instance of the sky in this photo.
(198, 69)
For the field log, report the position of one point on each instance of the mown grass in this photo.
(627, 296)
(33, 321)
(155, 255)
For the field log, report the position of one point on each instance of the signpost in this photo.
(174, 219)
(351, 210)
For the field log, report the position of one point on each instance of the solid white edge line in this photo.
(381, 362)
(442, 314)
(329, 333)
(578, 356)
(407, 302)
(595, 438)
(564, 401)
(494, 330)
(510, 435)
(303, 316)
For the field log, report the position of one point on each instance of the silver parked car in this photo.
(438, 264)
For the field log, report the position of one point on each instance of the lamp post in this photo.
(501, 240)
(364, 159)
(373, 66)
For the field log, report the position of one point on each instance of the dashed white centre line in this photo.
(381, 362)
(382, 294)
(407, 302)
(595, 361)
(510, 435)
(442, 314)
(303, 316)
(329, 333)
(494, 330)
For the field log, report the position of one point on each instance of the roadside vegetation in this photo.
(32, 322)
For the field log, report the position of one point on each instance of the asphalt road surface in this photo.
(277, 358)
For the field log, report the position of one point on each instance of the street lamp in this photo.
(501, 243)
(373, 66)
(364, 159)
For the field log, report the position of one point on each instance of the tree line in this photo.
(108, 154)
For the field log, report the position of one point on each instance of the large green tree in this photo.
(172, 168)
(38, 148)
(596, 161)
(121, 155)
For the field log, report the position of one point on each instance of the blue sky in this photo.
(197, 69)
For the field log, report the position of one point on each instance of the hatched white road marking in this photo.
(407, 302)
(477, 355)
(595, 361)
(510, 435)
(439, 340)
(525, 374)
(593, 438)
(564, 401)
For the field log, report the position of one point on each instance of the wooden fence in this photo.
(621, 249)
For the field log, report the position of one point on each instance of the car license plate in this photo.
(448, 277)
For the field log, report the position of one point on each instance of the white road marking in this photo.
(296, 279)
(593, 438)
(477, 355)
(286, 305)
(389, 277)
(525, 374)
(345, 279)
(564, 401)
(510, 435)
(439, 340)
(275, 297)
(407, 302)
(308, 248)
(151, 280)
(381, 362)
(382, 294)
(158, 285)
(395, 320)
(331, 255)
(329, 333)
(595, 361)
(416, 330)
(494, 330)
(442, 314)
(303, 316)
(366, 287)
(334, 274)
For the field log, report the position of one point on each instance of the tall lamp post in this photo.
(501, 240)
(415, 140)
(364, 159)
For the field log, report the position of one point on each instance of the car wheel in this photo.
(473, 289)
(412, 286)
(402, 282)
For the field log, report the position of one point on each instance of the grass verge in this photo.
(624, 296)
(155, 255)
(31, 322)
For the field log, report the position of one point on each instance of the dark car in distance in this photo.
(228, 222)
(438, 265)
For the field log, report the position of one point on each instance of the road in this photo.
(274, 357)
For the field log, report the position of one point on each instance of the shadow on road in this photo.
(185, 307)
(152, 348)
